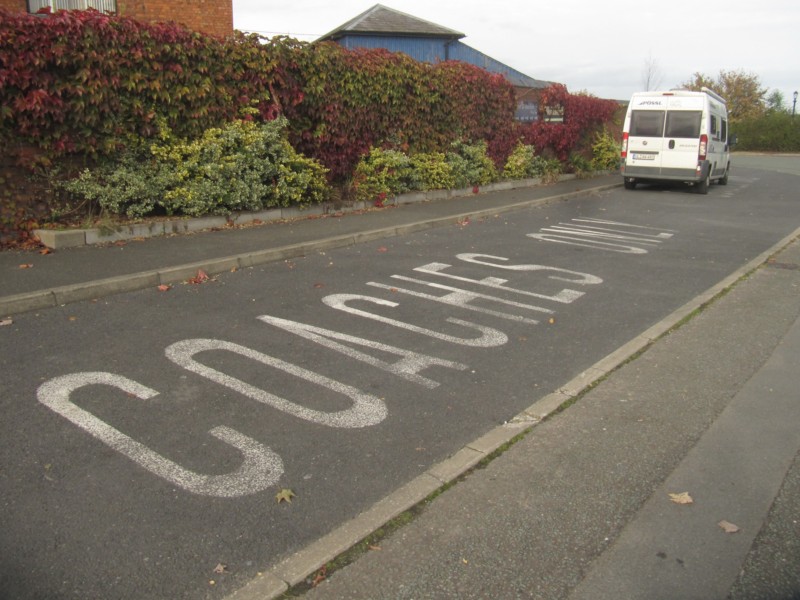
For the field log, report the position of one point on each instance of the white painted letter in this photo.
(489, 337)
(407, 368)
(366, 410)
(578, 278)
(260, 469)
(462, 298)
(565, 296)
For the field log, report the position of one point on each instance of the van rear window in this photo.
(647, 123)
(683, 124)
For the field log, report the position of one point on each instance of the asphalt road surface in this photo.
(145, 436)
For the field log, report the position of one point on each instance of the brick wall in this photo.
(14, 5)
(209, 16)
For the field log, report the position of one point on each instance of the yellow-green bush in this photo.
(242, 166)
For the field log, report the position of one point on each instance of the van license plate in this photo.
(641, 156)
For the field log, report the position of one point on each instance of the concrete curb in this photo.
(304, 563)
(72, 238)
(48, 298)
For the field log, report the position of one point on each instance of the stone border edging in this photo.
(72, 238)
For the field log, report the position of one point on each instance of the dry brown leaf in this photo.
(5, 322)
(682, 498)
(221, 568)
(728, 527)
(201, 277)
(26, 266)
(164, 288)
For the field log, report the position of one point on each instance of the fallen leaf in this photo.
(164, 288)
(221, 568)
(682, 498)
(383, 249)
(728, 527)
(552, 320)
(7, 321)
(285, 495)
(375, 547)
(121, 243)
(201, 277)
(26, 266)
(45, 251)
(234, 269)
(319, 285)
(320, 576)
(73, 318)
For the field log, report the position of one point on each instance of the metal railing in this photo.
(104, 6)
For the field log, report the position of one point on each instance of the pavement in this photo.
(575, 498)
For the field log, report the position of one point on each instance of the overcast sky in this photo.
(600, 47)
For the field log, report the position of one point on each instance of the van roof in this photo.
(685, 93)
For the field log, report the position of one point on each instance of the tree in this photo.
(776, 101)
(651, 74)
(743, 92)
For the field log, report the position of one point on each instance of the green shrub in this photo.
(471, 164)
(523, 163)
(433, 171)
(242, 166)
(551, 170)
(773, 132)
(605, 152)
(580, 165)
(382, 174)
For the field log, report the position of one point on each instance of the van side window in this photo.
(683, 124)
(724, 135)
(714, 128)
(647, 123)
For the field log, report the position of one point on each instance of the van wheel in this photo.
(724, 179)
(702, 186)
(630, 184)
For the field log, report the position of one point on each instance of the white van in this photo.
(676, 136)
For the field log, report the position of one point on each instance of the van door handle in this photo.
(672, 144)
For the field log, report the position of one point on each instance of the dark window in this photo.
(647, 123)
(724, 130)
(104, 6)
(683, 124)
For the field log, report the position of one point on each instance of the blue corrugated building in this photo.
(383, 27)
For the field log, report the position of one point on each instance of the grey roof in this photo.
(382, 19)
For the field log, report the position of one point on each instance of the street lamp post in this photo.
(794, 102)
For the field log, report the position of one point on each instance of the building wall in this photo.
(429, 50)
(214, 17)
(14, 5)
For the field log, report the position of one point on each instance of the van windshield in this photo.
(647, 123)
(683, 124)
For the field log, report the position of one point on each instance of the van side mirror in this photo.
(732, 140)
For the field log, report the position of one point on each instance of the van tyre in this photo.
(724, 179)
(702, 186)
(630, 184)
